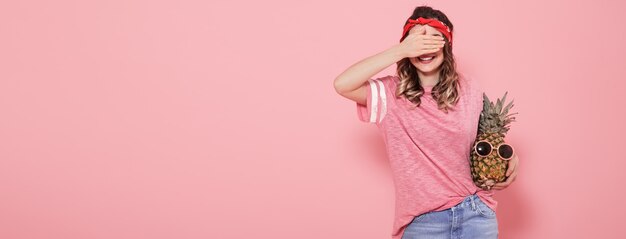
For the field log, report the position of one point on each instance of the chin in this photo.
(428, 68)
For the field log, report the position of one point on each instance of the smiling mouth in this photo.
(426, 59)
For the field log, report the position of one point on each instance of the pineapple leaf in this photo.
(507, 107)
(504, 97)
(498, 106)
(500, 102)
(486, 103)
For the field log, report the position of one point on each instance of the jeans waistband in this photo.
(468, 201)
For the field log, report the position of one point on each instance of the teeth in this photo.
(426, 59)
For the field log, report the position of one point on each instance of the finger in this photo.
(431, 37)
(511, 169)
(425, 51)
(499, 186)
(507, 182)
(418, 30)
(512, 166)
(514, 176)
(431, 47)
(502, 185)
(433, 42)
(421, 30)
(436, 49)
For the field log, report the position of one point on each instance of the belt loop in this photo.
(473, 203)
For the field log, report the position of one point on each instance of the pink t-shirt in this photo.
(428, 149)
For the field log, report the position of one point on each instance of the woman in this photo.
(428, 115)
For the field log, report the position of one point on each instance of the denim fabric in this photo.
(469, 219)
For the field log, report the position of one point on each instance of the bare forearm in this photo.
(357, 74)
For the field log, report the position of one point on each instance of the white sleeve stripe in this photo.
(383, 100)
(374, 101)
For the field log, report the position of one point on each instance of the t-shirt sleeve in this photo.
(378, 94)
(475, 89)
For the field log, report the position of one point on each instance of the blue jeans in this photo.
(468, 219)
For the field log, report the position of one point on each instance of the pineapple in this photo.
(493, 125)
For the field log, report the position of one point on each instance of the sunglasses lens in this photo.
(506, 151)
(483, 148)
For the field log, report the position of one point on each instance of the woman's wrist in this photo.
(396, 52)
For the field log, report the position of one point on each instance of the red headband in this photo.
(440, 26)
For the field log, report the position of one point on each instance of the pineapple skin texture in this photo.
(491, 169)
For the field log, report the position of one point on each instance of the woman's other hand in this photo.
(511, 173)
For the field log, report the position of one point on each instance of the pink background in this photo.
(218, 119)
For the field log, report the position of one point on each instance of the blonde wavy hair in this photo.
(445, 92)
